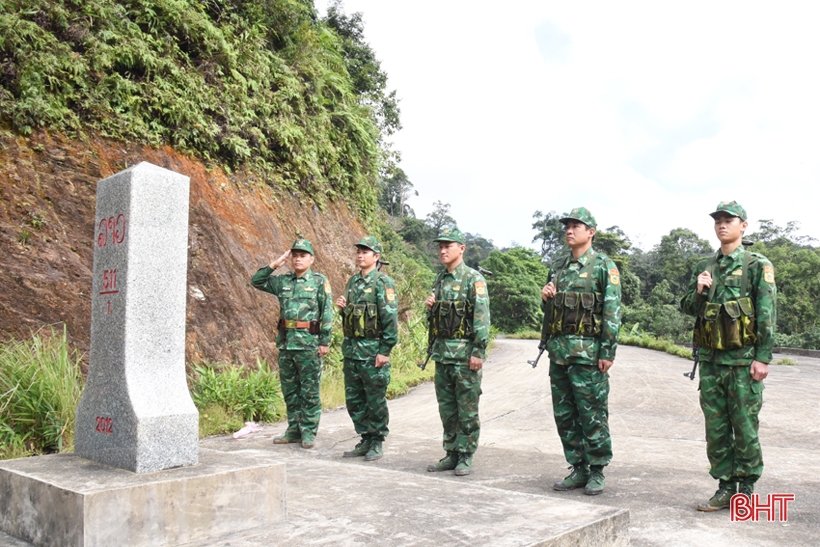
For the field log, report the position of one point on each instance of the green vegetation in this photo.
(515, 289)
(644, 340)
(786, 361)
(40, 387)
(228, 395)
(262, 84)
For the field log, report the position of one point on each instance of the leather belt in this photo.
(297, 324)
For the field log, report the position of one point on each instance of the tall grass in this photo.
(227, 395)
(40, 387)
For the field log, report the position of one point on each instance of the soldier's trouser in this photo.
(579, 404)
(730, 400)
(300, 373)
(365, 397)
(457, 391)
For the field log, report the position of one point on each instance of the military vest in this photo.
(452, 319)
(573, 312)
(731, 324)
(361, 319)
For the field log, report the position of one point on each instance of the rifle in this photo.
(544, 334)
(696, 358)
(430, 340)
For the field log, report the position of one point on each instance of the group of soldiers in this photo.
(732, 295)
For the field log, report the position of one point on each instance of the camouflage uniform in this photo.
(366, 385)
(457, 387)
(729, 397)
(579, 389)
(303, 299)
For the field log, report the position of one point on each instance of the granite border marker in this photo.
(136, 412)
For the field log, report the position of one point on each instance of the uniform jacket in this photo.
(727, 277)
(446, 287)
(384, 289)
(587, 350)
(306, 298)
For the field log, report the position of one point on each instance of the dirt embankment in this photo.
(237, 224)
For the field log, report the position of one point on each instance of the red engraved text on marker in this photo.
(104, 425)
(113, 226)
(109, 282)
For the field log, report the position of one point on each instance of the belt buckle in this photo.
(290, 324)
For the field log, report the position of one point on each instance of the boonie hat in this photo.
(581, 214)
(450, 234)
(302, 244)
(370, 242)
(730, 208)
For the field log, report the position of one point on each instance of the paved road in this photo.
(659, 472)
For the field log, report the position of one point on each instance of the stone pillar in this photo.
(136, 412)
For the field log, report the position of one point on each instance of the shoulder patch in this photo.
(480, 288)
(768, 274)
(390, 294)
(327, 287)
(614, 276)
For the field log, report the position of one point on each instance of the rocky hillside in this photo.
(237, 224)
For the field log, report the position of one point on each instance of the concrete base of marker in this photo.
(64, 500)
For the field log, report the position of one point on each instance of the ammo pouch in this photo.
(575, 313)
(361, 320)
(726, 326)
(730, 325)
(314, 327)
(452, 319)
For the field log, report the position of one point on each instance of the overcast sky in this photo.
(647, 113)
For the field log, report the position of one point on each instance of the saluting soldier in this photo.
(460, 313)
(732, 295)
(370, 321)
(305, 321)
(582, 303)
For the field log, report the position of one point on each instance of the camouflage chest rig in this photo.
(452, 319)
(361, 319)
(730, 325)
(573, 312)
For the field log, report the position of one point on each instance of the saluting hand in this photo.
(280, 261)
(548, 291)
(704, 281)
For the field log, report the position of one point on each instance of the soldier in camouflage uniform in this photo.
(369, 312)
(460, 313)
(582, 303)
(305, 321)
(733, 298)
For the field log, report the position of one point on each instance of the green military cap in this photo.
(450, 234)
(370, 242)
(730, 208)
(581, 214)
(302, 244)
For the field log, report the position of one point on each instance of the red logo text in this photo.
(776, 508)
